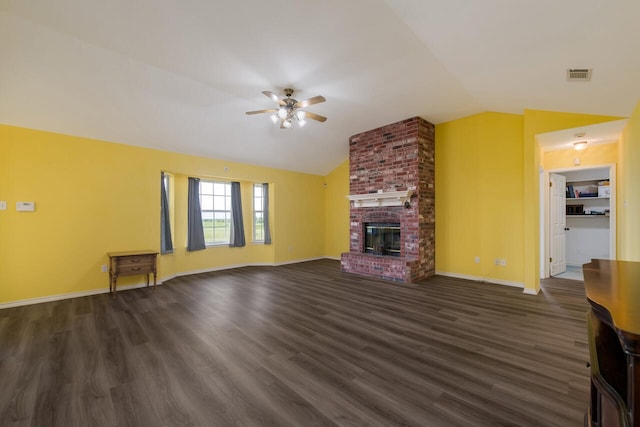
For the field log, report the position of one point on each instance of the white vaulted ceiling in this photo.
(179, 75)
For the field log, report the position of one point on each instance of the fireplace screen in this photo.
(382, 238)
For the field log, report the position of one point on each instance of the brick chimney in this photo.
(383, 162)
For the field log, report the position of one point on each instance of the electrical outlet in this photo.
(103, 268)
(497, 261)
(3, 205)
(477, 260)
(503, 262)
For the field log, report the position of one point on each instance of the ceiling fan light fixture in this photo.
(289, 109)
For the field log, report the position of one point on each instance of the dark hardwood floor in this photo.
(299, 345)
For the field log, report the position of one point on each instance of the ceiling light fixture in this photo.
(580, 145)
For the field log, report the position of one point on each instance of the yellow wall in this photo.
(487, 191)
(93, 197)
(479, 203)
(629, 190)
(593, 155)
(337, 220)
(536, 122)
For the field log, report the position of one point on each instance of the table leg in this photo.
(113, 284)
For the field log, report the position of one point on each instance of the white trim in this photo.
(335, 258)
(545, 232)
(389, 198)
(297, 261)
(530, 291)
(160, 281)
(481, 279)
(69, 295)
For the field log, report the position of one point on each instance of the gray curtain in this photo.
(265, 215)
(195, 232)
(237, 226)
(166, 244)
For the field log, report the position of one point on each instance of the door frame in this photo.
(545, 234)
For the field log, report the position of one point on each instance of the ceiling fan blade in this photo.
(315, 100)
(315, 116)
(272, 110)
(273, 96)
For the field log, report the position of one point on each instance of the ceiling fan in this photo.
(290, 109)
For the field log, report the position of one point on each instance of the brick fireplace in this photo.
(391, 181)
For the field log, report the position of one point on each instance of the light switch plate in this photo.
(25, 206)
(3, 205)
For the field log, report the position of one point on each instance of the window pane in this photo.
(206, 187)
(207, 216)
(218, 188)
(206, 203)
(257, 190)
(258, 226)
(219, 203)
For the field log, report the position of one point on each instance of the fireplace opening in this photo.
(382, 238)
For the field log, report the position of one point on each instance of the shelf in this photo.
(390, 198)
(588, 198)
(588, 216)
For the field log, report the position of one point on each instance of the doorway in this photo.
(579, 219)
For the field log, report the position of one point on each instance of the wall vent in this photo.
(579, 74)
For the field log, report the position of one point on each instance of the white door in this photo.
(557, 213)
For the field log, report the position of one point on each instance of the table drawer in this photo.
(134, 269)
(135, 260)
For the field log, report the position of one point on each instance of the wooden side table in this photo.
(131, 263)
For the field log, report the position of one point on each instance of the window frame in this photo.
(257, 210)
(213, 213)
(168, 184)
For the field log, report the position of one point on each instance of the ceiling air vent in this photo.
(579, 74)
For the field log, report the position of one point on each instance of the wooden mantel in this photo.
(389, 198)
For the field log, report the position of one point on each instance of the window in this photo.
(258, 213)
(215, 204)
(166, 242)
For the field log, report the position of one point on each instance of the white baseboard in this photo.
(160, 281)
(69, 295)
(481, 279)
(298, 261)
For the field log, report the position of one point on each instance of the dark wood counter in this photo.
(613, 291)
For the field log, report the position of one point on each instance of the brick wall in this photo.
(399, 156)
